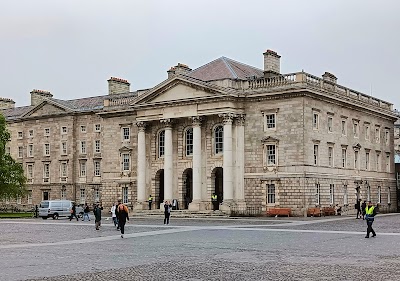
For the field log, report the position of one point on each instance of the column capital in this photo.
(167, 122)
(196, 120)
(240, 118)
(141, 126)
(227, 118)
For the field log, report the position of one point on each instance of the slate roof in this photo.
(13, 113)
(225, 68)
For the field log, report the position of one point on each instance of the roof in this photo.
(225, 68)
(13, 113)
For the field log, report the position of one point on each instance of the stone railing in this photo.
(308, 80)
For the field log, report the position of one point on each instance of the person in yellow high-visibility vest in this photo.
(370, 212)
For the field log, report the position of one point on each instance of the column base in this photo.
(195, 205)
(240, 204)
(141, 206)
(226, 206)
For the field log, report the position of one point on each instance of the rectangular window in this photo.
(355, 129)
(344, 131)
(367, 132)
(64, 148)
(82, 196)
(30, 197)
(271, 155)
(30, 150)
(30, 133)
(83, 169)
(63, 194)
(126, 134)
(20, 135)
(317, 194)
(97, 128)
(379, 195)
(330, 124)
(377, 135)
(97, 195)
(315, 154)
(20, 151)
(83, 129)
(47, 132)
(378, 162)
(46, 172)
(332, 194)
(330, 156)
(125, 195)
(97, 146)
(344, 157)
(64, 130)
(387, 137)
(271, 193)
(189, 141)
(63, 170)
(29, 173)
(356, 155)
(367, 161)
(47, 149)
(83, 147)
(387, 163)
(18, 199)
(315, 121)
(270, 121)
(345, 195)
(126, 162)
(97, 168)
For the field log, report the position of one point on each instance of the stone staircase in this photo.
(179, 213)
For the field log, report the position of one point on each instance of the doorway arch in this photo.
(159, 188)
(187, 192)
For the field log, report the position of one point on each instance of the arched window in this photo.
(161, 143)
(189, 141)
(218, 139)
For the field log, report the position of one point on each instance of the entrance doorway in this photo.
(187, 194)
(217, 177)
(159, 196)
(46, 195)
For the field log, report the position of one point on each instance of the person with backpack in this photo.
(167, 211)
(123, 216)
(73, 213)
(86, 213)
(116, 212)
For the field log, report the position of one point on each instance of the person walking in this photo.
(73, 212)
(123, 216)
(363, 206)
(370, 212)
(114, 214)
(358, 208)
(167, 211)
(86, 212)
(150, 200)
(97, 215)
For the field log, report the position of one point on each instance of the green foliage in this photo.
(12, 179)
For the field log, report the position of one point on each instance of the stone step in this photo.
(179, 213)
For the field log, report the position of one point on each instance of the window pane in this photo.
(189, 141)
(161, 144)
(219, 139)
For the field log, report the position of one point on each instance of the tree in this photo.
(12, 179)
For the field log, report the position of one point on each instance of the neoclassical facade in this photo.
(255, 137)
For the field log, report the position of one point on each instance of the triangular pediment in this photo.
(269, 139)
(46, 108)
(179, 89)
(125, 149)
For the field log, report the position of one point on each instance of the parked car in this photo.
(57, 208)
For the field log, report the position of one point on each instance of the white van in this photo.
(57, 208)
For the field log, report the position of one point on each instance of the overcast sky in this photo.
(72, 47)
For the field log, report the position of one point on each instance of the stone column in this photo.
(141, 166)
(239, 194)
(168, 161)
(195, 204)
(228, 161)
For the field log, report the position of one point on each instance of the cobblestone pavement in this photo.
(201, 249)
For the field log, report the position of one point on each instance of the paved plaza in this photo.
(331, 248)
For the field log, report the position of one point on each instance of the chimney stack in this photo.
(329, 77)
(6, 103)
(180, 68)
(272, 63)
(37, 96)
(118, 86)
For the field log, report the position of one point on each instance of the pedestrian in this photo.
(150, 200)
(114, 214)
(363, 206)
(358, 208)
(97, 215)
(86, 212)
(370, 212)
(73, 212)
(214, 200)
(167, 211)
(123, 216)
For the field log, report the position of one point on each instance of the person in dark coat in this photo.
(97, 215)
(73, 212)
(363, 206)
(167, 211)
(358, 208)
(123, 216)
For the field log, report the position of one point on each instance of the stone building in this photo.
(255, 137)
